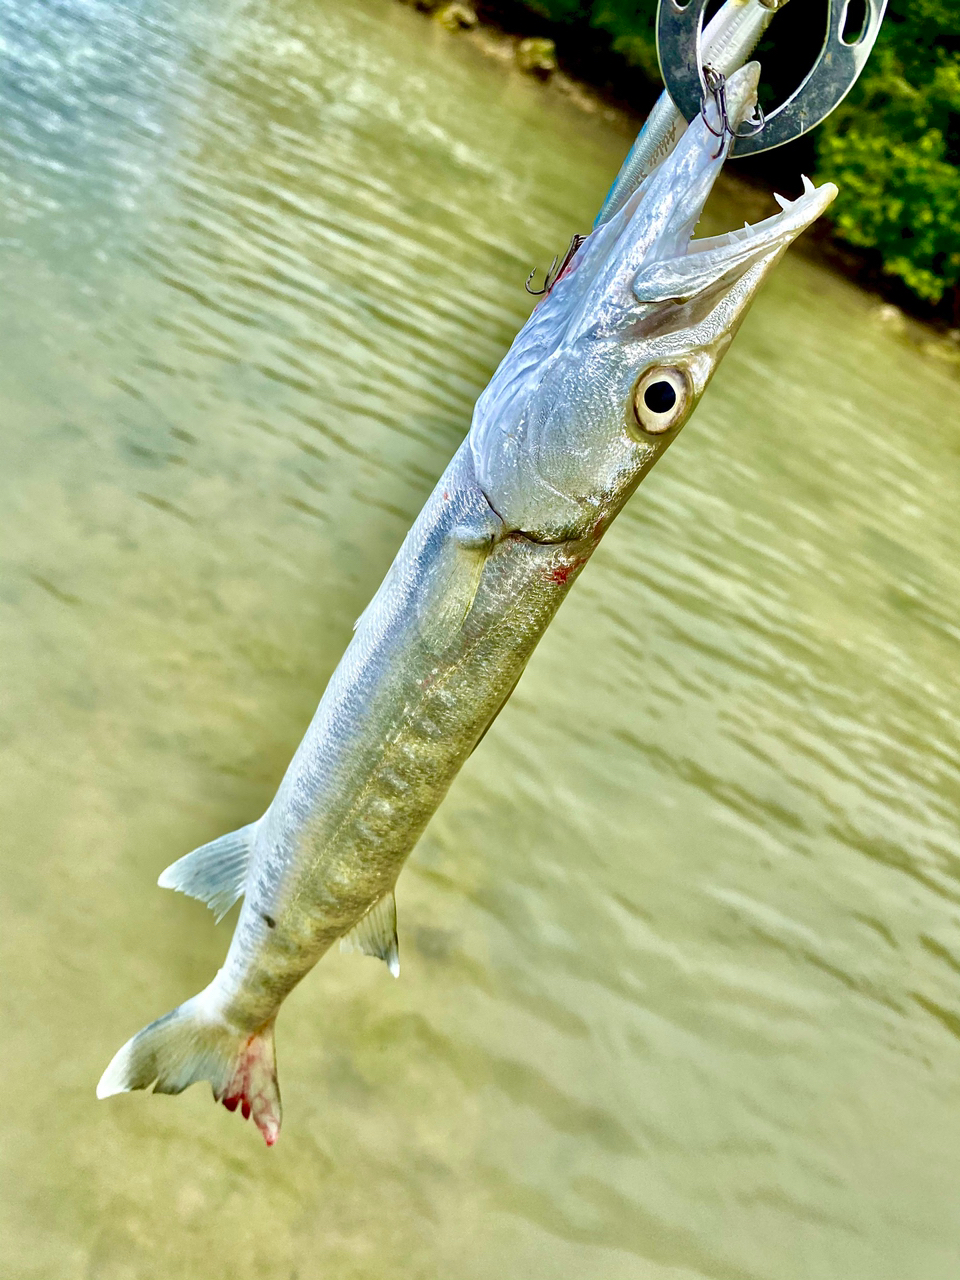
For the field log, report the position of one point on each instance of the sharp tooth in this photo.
(808, 187)
(782, 201)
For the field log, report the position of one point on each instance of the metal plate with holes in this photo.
(828, 83)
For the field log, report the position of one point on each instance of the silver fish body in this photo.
(433, 659)
(595, 387)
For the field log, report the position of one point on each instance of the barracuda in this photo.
(595, 387)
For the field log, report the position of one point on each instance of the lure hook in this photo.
(715, 86)
(548, 280)
(554, 273)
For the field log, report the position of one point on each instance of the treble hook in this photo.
(547, 281)
(554, 273)
(715, 85)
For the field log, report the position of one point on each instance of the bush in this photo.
(893, 148)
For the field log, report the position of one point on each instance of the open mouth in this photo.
(646, 247)
(673, 265)
(699, 264)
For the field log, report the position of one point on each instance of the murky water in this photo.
(681, 989)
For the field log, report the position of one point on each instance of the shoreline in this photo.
(483, 26)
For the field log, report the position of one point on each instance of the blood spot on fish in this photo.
(269, 921)
(231, 1103)
(446, 496)
(561, 573)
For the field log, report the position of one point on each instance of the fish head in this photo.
(616, 356)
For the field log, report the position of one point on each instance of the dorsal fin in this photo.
(376, 934)
(216, 872)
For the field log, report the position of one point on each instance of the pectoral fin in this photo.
(453, 579)
(376, 934)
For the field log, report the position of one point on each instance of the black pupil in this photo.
(659, 397)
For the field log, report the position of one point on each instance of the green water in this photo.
(681, 950)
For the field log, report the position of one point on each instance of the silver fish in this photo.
(596, 385)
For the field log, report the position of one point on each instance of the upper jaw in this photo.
(650, 239)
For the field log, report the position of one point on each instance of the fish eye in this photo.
(660, 399)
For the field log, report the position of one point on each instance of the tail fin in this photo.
(192, 1044)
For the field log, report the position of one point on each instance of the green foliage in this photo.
(893, 147)
(633, 28)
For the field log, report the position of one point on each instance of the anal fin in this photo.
(376, 934)
(216, 872)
